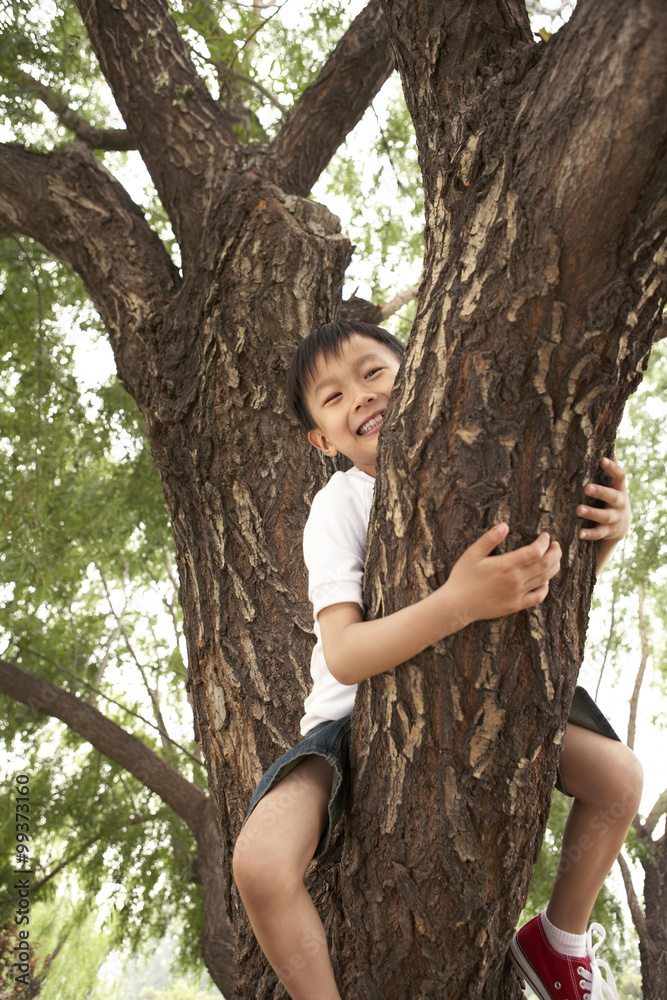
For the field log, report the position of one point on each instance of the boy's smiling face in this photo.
(347, 398)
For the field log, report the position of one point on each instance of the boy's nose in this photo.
(364, 397)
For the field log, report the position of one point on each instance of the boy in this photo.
(338, 387)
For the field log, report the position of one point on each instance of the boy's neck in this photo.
(366, 472)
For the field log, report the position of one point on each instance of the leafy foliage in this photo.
(72, 950)
(256, 61)
(48, 42)
(86, 543)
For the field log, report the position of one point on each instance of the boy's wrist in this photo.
(454, 613)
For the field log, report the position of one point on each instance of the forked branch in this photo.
(176, 124)
(115, 743)
(331, 106)
(97, 138)
(72, 205)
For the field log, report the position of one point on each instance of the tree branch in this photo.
(634, 700)
(617, 52)
(256, 85)
(331, 106)
(636, 911)
(191, 804)
(610, 635)
(450, 52)
(182, 134)
(659, 809)
(152, 692)
(97, 138)
(360, 310)
(72, 205)
(96, 691)
(115, 743)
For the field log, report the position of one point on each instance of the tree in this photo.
(543, 286)
(630, 614)
(556, 326)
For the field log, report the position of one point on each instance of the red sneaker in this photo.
(553, 976)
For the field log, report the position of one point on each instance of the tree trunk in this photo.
(238, 483)
(534, 322)
(654, 958)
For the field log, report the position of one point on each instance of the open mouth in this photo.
(371, 424)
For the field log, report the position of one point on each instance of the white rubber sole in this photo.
(526, 970)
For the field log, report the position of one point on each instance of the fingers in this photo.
(594, 534)
(617, 476)
(532, 553)
(611, 520)
(608, 494)
(530, 581)
(535, 597)
(601, 515)
(615, 470)
(527, 570)
(538, 573)
(537, 560)
(605, 519)
(490, 540)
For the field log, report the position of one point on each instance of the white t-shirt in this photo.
(334, 547)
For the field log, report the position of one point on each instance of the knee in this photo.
(630, 779)
(261, 871)
(624, 782)
(247, 864)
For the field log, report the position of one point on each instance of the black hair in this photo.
(323, 343)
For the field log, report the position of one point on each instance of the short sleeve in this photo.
(334, 543)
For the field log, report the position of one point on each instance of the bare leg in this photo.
(605, 778)
(270, 859)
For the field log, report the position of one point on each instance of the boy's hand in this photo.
(611, 522)
(484, 586)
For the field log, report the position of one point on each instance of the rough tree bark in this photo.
(653, 944)
(544, 174)
(544, 170)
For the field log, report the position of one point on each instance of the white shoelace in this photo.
(592, 979)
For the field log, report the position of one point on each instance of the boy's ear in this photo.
(322, 443)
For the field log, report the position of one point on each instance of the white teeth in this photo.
(370, 424)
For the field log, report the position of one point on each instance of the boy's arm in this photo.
(611, 521)
(480, 586)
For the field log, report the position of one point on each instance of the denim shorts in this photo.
(584, 712)
(330, 740)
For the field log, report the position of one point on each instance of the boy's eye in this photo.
(334, 395)
(373, 371)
